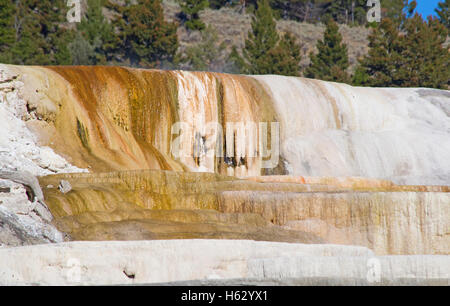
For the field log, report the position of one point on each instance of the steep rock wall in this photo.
(331, 129)
(114, 118)
(119, 119)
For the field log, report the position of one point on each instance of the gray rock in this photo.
(14, 233)
(42, 211)
(24, 217)
(30, 182)
(64, 186)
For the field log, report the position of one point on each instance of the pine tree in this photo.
(190, 10)
(286, 56)
(331, 62)
(357, 10)
(217, 4)
(360, 76)
(208, 55)
(406, 52)
(7, 33)
(393, 9)
(146, 39)
(236, 63)
(261, 40)
(30, 46)
(425, 62)
(264, 51)
(38, 38)
(82, 52)
(96, 40)
(50, 14)
(443, 12)
(378, 68)
(336, 10)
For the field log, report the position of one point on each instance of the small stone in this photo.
(64, 186)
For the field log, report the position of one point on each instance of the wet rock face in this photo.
(147, 205)
(352, 155)
(142, 205)
(336, 130)
(115, 119)
(386, 222)
(111, 120)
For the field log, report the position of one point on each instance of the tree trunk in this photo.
(353, 11)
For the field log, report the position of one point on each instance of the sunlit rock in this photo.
(171, 155)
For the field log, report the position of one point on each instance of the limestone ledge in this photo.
(213, 261)
(152, 204)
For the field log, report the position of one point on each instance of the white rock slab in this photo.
(147, 262)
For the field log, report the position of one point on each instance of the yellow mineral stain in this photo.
(117, 122)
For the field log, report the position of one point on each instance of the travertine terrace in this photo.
(355, 169)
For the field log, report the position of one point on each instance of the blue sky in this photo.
(426, 7)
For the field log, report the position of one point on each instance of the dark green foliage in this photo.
(286, 56)
(331, 62)
(47, 17)
(7, 33)
(216, 4)
(145, 38)
(261, 40)
(190, 10)
(424, 61)
(382, 62)
(406, 52)
(444, 13)
(82, 52)
(236, 64)
(392, 9)
(264, 52)
(95, 41)
(360, 77)
(35, 32)
(345, 11)
(342, 11)
(32, 32)
(208, 55)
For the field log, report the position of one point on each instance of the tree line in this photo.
(404, 49)
(341, 11)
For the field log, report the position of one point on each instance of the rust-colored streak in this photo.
(127, 114)
(134, 205)
(332, 100)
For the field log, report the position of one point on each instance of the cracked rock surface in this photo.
(24, 217)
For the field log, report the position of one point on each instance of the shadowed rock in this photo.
(31, 183)
(33, 189)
